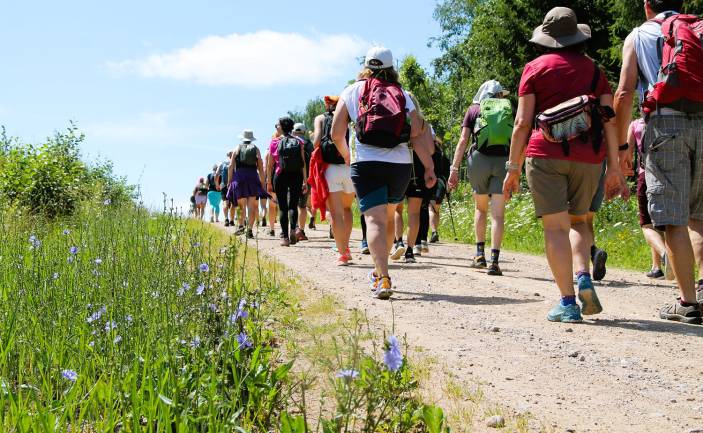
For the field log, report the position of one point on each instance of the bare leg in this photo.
(695, 231)
(434, 217)
(241, 208)
(497, 220)
(481, 216)
(379, 223)
(581, 241)
(680, 253)
(656, 244)
(253, 208)
(398, 221)
(414, 205)
(558, 247)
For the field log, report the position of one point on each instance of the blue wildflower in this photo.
(98, 261)
(35, 242)
(117, 340)
(392, 356)
(69, 375)
(67, 232)
(107, 202)
(97, 315)
(109, 326)
(183, 289)
(195, 342)
(73, 250)
(200, 289)
(196, 244)
(243, 340)
(128, 318)
(55, 276)
(213, 308)
(204, 267)
(347, 374)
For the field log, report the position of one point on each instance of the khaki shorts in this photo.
(558, 185)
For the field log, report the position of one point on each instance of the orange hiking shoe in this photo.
(383, 289)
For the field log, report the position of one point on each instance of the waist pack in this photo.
(574, 119)
(329, 151)
(382, 117)
(680, 81)
(290, 155)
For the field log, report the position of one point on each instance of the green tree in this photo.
(306, 116)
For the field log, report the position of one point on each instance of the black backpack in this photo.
(290, 157)
(211, 182)
(330, 154)
(247, 155)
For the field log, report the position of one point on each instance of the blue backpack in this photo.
(223, 169)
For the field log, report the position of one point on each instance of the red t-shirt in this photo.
(555, 78)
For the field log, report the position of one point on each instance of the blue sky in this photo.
(163, 88)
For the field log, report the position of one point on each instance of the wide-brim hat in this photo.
(560, 29)
(247, 135)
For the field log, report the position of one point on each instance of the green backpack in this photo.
(494, 126)
(247, 155)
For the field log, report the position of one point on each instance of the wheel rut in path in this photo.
(624, 370)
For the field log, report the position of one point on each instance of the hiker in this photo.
(300, 131)
(398, 250)
(337, 175)
(564, 155)
(286, 175)
(269, 204)
(246, 169)
(214, 196)
(200, 192)
(416, 193)
(442, 169)
(223, 182)
(382, 163)
(489, 124)
(673, 136)
(654, 237)
(598, 256)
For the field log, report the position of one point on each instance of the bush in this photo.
(51, 178)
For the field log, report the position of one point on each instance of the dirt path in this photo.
(623, 371)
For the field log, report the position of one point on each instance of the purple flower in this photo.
(243, 340)
(196, 244)
(97, 315)
(35, 242)
(128, 318)
(183, 289)
(204, 267)
(73, 250)
(67, 232)
(107, 202)
(200, 289)
(69, 375)
(213, 308)
(241, 312)
(392, 356)
(195, 342)
(98, 261)
(117, 340)
(109, 326)
(347, 374)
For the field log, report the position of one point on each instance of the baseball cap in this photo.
(379, 57)
(299, 127)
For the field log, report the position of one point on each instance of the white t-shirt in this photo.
(364, 152)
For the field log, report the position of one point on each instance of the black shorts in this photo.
(223, 191)
(417, 189)
(440, 191)
(380, 183)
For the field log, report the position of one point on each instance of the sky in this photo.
(164, 88)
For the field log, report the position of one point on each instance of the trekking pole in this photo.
(451, 215)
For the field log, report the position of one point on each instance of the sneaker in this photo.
(343, 260)
(667, 268)
(679, 313)
(425, 247)
(311, 224)
(293, 238)
(410, 256)
(655, 274)
(365, 247)
(372, 279)
(434, 238)
(599, 258)
(349, 255)
(587, 295)
(285, 242)
(226, 223)
(480, 262)
(240, 231)
(382, 288)
(331, 234)
(398, 251)
(494, 270)
(565, 314)
(263, 222)
(699, 291)
(300, 234)
(272, 233)
(417, 250)
(250, 234)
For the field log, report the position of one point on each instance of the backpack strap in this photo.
(596, 120)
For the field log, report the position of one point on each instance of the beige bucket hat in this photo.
(560, 29)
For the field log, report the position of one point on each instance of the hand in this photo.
(615, 184)
(511, 184)
(626, 164)
(269, 187)
(430, 179)
(453, 180)
(347, 158)
(305, 188)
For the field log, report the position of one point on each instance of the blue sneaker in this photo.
(587, 295)
(565, 314)
(365, 247)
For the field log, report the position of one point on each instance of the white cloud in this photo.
(253, 59)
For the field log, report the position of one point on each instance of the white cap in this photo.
(490, 89)
(379, 57)
(299, 127)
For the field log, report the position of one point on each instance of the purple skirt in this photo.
(245, 184)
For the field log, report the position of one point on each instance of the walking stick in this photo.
(451, 215)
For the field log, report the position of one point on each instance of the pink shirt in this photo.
(273, 150)
(637, 132)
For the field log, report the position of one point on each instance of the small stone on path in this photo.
(495, 421)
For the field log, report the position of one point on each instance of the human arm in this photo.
(317, 130)
(423, 146)
(231, 168)
(260, 168)
(458, 157)
(518, 143)
(625, 94)
(615, 184)
(269, 173)
(340, 124)
(627, 157)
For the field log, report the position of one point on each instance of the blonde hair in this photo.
(388, 74)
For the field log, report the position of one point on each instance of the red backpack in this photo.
(680, 84)
(382, 117)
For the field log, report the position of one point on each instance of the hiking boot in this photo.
(285, 242)
(272, 233)
(365, 247)
(410, 256)
(679, 313)
(599, 258)
(434, 238)
(226, 222)
(667, 268)
(293, 238)
(398, 251)
(331, 234)
(382, 288)
(300, 234)
(587, 295)
(417, 250)
(655, 274)
(494, 270)
(250, 234)
(424, 247)
(565, 314)
(240, 231)
(480, 262)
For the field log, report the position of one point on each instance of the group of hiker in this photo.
(574, 138)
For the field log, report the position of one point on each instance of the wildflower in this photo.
(200, 289)
(109, 326)
(347, 374)
(107, 202)
(183, 289)
(69, 375)
(241, 312)
(179, 262)
(243, 340)
(213, 308)
(204, 267)
(91, 344)
(98, 261)
(196, 244)
(117, 340)
(392, 356)
(35, 242)
(73, 250)
(67, 232)
(70, 259)
(97, 315)
(55, 276)
(195, 342)
(128, 318)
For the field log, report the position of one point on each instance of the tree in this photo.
(313, 108)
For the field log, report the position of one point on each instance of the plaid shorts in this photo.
(674, 168)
